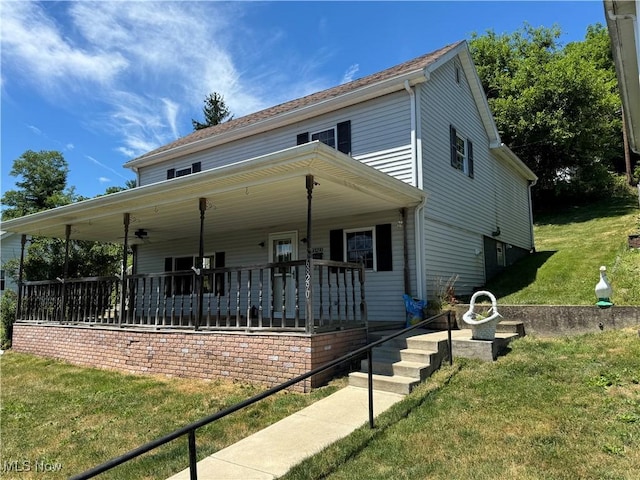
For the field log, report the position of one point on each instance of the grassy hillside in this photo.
(570, 248)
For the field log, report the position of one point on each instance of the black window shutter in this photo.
(219, 281)
(171, 173)
(384, 256)
(196, 167)
(168, 267)
(344, 137)
(336, 245)
(302, 138)
(470, 157)
(452, 144)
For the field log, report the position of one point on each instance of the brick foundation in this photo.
(265, 358)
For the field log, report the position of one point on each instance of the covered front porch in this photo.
(264, 286)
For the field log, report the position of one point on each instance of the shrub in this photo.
(8, 305)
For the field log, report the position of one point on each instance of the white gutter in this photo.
(627, 16)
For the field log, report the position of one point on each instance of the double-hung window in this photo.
(328, 137)
(369, 245)
(360, 246)
(338, 137)
(182, 283)
(461, 152)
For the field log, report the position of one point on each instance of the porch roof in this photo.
(252, 194)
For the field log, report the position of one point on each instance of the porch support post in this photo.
(199, 278)
(126, 219)
(308, 277)
(23, 242)
(65, 271)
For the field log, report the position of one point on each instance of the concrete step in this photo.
(416, 370)
(511, 326)
(435, 342)
(417, 355)
(394, 384)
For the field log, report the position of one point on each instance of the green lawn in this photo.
(565, 408)
(52, 413)
(570, 248)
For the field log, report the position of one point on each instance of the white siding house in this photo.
(10, 246)
(407, 171)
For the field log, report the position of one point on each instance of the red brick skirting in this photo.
(265, 358)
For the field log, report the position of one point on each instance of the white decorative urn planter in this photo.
(482, 328)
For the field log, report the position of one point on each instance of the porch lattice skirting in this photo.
(267, 358)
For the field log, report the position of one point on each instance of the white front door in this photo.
(283, 247)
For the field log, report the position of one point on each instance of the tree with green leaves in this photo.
(215, 111)
(41, 185)
(557, 108)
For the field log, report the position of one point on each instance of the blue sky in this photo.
(105, 82)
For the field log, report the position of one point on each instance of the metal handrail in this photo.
(190, 429)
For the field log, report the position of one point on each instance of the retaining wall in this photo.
(554, 320)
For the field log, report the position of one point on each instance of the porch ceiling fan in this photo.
(141, 234)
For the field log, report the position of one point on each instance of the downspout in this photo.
(532, 183)
(418, 224)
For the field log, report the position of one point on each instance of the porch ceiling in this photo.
(253, 194)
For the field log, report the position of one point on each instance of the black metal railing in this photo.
(190, 430)
(289, 296)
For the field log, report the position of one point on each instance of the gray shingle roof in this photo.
(412, 65)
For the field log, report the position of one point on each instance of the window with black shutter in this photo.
(370, 245)
(181, 172)
(461, 152)
(338, 137)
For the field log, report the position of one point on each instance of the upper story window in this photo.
(181, 172)
(338, 137)
(461, 152)
(328, 137)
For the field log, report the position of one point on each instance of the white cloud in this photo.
(350, 73)
(34, 129)
(106, 167)
(144, 68)
(38, 47)
(104, 179)
(70, 146)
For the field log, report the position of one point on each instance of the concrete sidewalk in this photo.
(271, 452)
